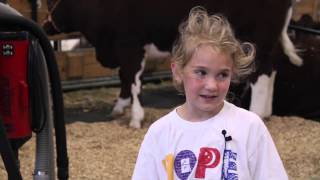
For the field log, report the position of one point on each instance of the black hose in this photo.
(37, 89)
(8, 156)
(19, 23)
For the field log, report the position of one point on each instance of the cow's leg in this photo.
(131, 61)
(262, 95)
(287, 44)
(137, 111)
(124, 99)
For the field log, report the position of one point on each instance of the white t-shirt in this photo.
(174, 148)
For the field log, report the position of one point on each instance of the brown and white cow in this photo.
(119, 29)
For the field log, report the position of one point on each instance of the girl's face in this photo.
(206, 80)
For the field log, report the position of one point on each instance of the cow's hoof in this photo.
(135, 124)
(120, 106)
(117, 113)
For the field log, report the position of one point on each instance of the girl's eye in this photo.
(223, 75)
(200, 72)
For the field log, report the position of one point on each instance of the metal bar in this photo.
(110, 81)
(305, 29)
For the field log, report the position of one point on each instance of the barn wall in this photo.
(311, 7)
(82, 64)
(24, 8)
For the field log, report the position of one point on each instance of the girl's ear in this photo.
(176, 74)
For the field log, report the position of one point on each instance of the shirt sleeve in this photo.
(265, 162)
(145, 167)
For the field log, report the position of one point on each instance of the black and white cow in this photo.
(119, 29)
(296, 89)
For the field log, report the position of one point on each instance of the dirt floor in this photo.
(101, 147)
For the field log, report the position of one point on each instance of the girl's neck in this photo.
(185, 113)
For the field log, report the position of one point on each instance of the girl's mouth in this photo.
(208, 96)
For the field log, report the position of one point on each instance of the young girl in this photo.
(208, 137)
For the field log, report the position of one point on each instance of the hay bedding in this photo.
(103, 149)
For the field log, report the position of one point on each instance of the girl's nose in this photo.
(211, 84)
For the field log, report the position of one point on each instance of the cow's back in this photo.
(150, 19)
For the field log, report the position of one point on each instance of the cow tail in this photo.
(287, 45)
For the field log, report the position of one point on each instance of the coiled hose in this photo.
(12, 21)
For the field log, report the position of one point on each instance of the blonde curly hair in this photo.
(215, 31)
